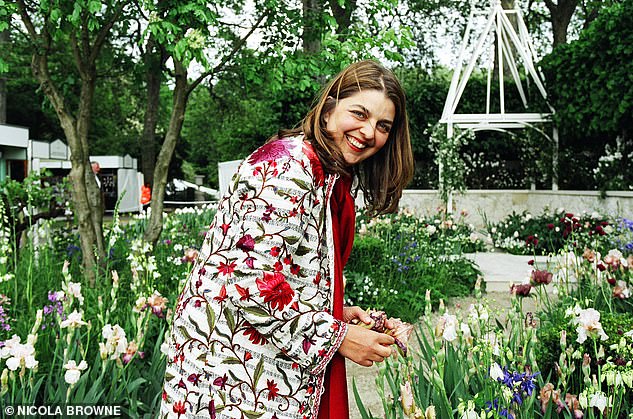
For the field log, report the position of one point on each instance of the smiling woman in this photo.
(260, 329)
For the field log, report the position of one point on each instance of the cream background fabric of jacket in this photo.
(253, 333)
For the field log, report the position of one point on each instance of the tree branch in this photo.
(104, 31)
(26, 19)
(230, 55)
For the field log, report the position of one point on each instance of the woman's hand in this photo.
(365, 346)
(355, 312)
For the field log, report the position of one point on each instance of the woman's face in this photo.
(360, 124)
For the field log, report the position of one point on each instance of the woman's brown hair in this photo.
(383, 176)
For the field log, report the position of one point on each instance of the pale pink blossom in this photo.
(74, 289)
(588, 322)
(447, 327)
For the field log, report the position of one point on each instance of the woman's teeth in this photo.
(356, 143)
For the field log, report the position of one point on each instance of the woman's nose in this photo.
(368, 129)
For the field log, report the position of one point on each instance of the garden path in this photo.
(499, 271)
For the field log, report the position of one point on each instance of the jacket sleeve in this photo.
(262, 251)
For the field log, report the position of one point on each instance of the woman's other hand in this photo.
(355, 312)
(365, 346)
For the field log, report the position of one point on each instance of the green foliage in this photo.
(396, 257)
(570, 355)
(123, 366)
(453, 171)
(589, 79)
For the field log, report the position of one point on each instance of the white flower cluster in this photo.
(73, 371)
(19, 355)
(5, 246)
(141, 260)
(115, 344)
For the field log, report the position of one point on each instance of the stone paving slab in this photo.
(500, 270)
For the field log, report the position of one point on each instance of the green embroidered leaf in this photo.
(252, 415)
(301, 184)
(231, 361)
(210, 317)
(284, 376)
(184, 332)
(284, 357)
(233, 376)
(259, 369)
(260, 225)
(291, 239)
(302, 250)
(256, 311)
(229, 319)
(198, 329)
(294, 325)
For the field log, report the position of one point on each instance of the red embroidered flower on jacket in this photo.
(249, 261)
(273, 390)
(221, 296)
(272, 151)
(227, 268)
(254, 336)
(245, 293)
(275, 290)
(179, 408)
(221, 382)
(246, 243)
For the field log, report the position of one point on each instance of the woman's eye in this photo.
(359, 114)
(384, 127)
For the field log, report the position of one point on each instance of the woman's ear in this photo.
(330, 103)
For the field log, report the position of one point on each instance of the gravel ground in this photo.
(365, 377)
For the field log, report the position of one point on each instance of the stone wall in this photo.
(496, 204)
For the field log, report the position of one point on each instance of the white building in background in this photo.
(14, 142)
(120, 179)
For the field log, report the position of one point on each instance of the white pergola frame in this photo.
(497, 27)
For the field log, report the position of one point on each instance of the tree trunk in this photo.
(154, 60)
(560, 16)
(180, 97)
(4, 41)
(95, 198)
(86, 197)
(311, 35)
(343, 15)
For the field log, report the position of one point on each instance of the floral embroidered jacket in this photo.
(253, 330)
